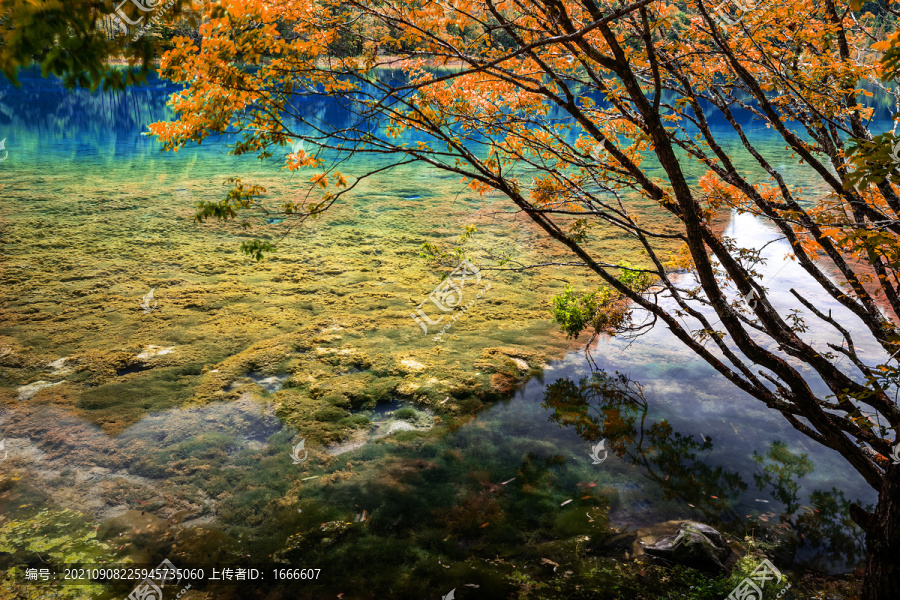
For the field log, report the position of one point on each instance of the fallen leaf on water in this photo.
(566, 502)
(485, 525)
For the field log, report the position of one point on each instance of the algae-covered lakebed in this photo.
(138, 427)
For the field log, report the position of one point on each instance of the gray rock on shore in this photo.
(694, 545)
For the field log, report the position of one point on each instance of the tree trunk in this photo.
(882, 576)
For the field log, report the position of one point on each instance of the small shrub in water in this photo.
(406, 414)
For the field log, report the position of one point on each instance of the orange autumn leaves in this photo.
(258, 56)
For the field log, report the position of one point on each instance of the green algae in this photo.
(225, 313)
(64, 534)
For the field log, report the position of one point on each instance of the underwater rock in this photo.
(411, 366)
(271, 384)
(695, 545)
(523, 366)
(59, 367)
(26, 392)
(511, 362)
(131, 522)
(400, 426)
(508, 352)
(408, 388)
(152, 351)
(502, 383)
(357, 440)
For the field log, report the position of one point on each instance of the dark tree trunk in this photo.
(882, 577)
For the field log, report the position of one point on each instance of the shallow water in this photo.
(173, 432)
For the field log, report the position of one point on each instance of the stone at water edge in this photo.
(412, 366)
(59, 367)
(152, 351)
(694, 545)
(400, 426)
(26, 392)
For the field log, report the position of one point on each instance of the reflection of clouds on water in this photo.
(779, 276)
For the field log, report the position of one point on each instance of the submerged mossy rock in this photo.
(507, 360)
(331, 414)
(695, 545)
(358, 390)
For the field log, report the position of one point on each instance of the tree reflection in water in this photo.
(818, 535)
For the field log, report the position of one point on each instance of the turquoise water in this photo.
(170, 434)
